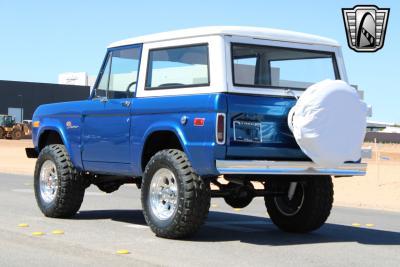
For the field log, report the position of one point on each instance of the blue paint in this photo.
(106, 131)
(276, 142)
(108, 137)
(164, 113)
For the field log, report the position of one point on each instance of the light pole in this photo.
(21, 108)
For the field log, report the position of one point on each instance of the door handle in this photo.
(126, 103)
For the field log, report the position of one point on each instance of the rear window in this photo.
(176, 67)
(266, 66)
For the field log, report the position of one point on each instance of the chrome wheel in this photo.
(48, 181)
(163, 194)
(291, 204)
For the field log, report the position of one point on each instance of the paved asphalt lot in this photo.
(111, 222)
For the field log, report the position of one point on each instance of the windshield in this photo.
(267, 66)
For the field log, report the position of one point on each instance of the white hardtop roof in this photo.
(252, 32)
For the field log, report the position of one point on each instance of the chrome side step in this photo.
(287, 168)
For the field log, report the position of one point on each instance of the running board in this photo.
(287, 168)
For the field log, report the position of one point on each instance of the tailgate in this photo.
(257, 128)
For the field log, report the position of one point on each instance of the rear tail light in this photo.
(220, 128)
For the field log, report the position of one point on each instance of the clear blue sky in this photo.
(40, 39)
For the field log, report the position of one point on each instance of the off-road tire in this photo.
(71, 186)
(16, 134)
(193, 196)
(315, 208)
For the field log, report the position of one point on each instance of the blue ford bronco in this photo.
(176, 112)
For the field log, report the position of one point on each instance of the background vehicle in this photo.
(27, 128)
(10, 129)
(174, 111)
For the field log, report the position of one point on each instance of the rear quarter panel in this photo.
(151, 114)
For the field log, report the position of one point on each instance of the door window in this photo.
(120, 74)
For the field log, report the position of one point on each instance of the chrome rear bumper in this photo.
(287, 168)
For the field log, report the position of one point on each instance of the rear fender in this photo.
(156, 127)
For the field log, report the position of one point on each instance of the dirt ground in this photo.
(379, 189)
(13, 158)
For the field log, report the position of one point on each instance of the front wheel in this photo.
(16, 134)
(175, 199)
(59, 189)
(304, 204)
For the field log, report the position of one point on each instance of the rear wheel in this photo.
(304, 206)
(175, 199)
(59, 189)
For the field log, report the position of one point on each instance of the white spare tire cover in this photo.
(329, 123)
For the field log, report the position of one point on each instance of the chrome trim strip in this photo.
(287, 167)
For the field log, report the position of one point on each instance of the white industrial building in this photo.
(76, 78)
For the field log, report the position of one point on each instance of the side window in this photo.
(245, 70)
(178, 67)
(120, 74)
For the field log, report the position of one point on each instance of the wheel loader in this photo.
(9, 129)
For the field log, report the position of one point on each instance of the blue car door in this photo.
(106, 120)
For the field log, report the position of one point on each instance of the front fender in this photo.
(51, 124)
